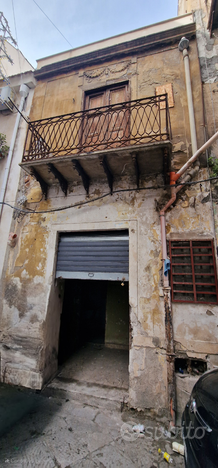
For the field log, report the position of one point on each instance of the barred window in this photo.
(193, 271)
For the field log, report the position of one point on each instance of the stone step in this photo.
(88, 393)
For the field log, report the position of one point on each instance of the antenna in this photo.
(5, 35)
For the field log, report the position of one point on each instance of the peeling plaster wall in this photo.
(32, 299)
(208, 59)
(188, 6)
(167, 67)
(195, 325)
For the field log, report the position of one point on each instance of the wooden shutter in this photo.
(118, 128)
(105, 127)
(94, 125)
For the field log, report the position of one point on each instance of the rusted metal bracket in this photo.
(137, 170)
(44, 186)
(110, 179)
(84, 176)
(61, 179)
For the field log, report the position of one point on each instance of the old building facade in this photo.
(111, 125)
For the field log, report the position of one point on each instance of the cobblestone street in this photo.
(50, 431)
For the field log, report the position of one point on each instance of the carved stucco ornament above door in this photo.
(119, 68)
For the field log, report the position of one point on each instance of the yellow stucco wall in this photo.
(65, 94)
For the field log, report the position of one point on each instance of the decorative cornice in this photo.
(136, 46)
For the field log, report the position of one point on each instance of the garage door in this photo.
(94, 256)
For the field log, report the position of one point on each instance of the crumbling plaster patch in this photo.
(32, 251)
(194, 329)
(207, 49)
(184, 385)
(192, 217)
(21, 356)
(155, 382)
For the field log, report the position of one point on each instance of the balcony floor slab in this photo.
(153, 158)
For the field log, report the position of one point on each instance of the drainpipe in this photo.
(194, 157)
(24, 91)
(166, 289)
(183, 46)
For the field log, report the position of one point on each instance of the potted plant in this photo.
(3, 147)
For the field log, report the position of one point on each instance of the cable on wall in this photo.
(92, 200)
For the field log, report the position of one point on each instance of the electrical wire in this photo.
(53, 24)
(18, 50)
(63, 208)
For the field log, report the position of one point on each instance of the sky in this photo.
(80, 21)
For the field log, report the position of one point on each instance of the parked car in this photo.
(200, 423)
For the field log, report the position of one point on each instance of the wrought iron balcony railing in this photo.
(138, 122)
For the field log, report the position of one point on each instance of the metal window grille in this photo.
(193, 271)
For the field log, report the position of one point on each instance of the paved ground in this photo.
(97, 364)
(44, 431)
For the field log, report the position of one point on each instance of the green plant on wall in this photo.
(3, 146)
(213, 164)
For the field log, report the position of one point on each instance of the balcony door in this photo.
(106, 124)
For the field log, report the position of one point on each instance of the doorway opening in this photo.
(94, 332)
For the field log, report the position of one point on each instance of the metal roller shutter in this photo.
(103, 256)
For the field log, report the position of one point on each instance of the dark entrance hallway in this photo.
(83, 315)
(94, 333)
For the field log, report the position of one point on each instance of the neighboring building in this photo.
(110, 121)
(19, 87)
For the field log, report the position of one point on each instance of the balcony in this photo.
(128, 139)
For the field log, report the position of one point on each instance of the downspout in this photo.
(194, 157)
(24, 91)
(183, 47)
